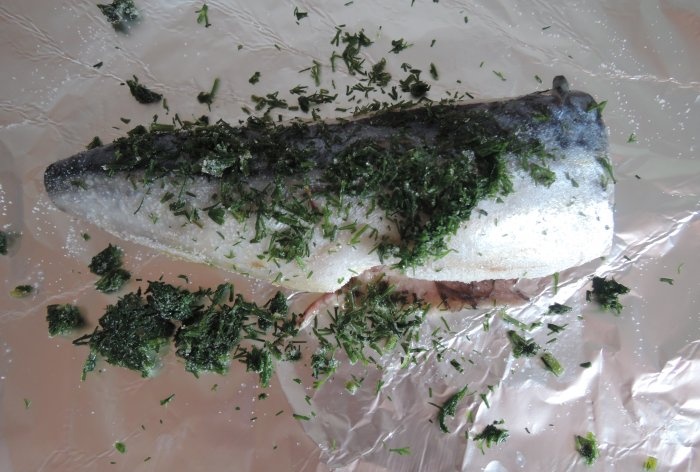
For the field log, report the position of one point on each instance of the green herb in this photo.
(353, 45)
(632, 138)
(606, 292)
(130, 334)
(95, 143)
(106, 260)
(172, 303)
(458, 367)
(3, 243)
(666, 280)
(260, 361)
(585, 365)
(167, 399)
(414, 84)
(113, 281)
(120, 447)
(316, 72)
(399, 45)
(98, 65)
(433, 71)
(27, 403)
(63, 319)
(141, 93)
(207, 98)
(558, 309)
(205, 340)
(255, 78)
(432, 43)
(491, 435)
(538, 79)
(588, 447)
(555, 281)
(500, 75)
(299, 14)
(449, 408)
(607, 166)
(122, 14)
(555, 328)
(552, 364)
(650, 463)
(466, 19)
(402, 451)
(203, 16)
(300, 417)
(374, 316)
(522, 346)
(546, 27)
(597, 106)
(217, 215)
(378, 74)
(126, 121)
(21, 291)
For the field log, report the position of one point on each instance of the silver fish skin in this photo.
(536, 229)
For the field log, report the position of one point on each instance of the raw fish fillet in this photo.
(269, 201)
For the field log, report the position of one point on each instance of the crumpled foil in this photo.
(640, 396)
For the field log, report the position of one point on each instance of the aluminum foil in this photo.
(640, 396)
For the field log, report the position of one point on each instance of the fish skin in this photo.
(533, 232)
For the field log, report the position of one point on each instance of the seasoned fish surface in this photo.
(452, 192)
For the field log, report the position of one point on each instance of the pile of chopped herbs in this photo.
(122, 14)
(206, 328)
(63, 319)
(373, 316)
(606, 293)
(491, 435)
(108, 265)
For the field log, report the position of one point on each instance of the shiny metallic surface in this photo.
(640, 397)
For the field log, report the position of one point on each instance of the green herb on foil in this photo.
(522, 346)
(399, 45)
(167, 399)
(650, 463)
(587, 447)
(203, 16)
(21, 291)
(552, 364)
(586, 365)
(606, 293)
(95, 143)
(491, 435)
(255, 78)
(666, 280)
(300, 14)
(402, 451)
(141, 93)
(449, 408)
(120, 447)
(207, 98)
(63, 319)
(558, 309)
(130, 334)
(122, 14)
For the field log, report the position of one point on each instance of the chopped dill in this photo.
(21, 291)
(141, 93)
(552, 364)
(606, 293)
(491, 435)
(122, 14)
(449, 408)
(207, 98)
(522, 346)
(587, 447)
(63, 319)
(203, 15)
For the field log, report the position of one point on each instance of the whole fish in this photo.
(465, 193)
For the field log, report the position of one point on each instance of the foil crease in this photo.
(640, 397)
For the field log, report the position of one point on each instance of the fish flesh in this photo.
(456, 192)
